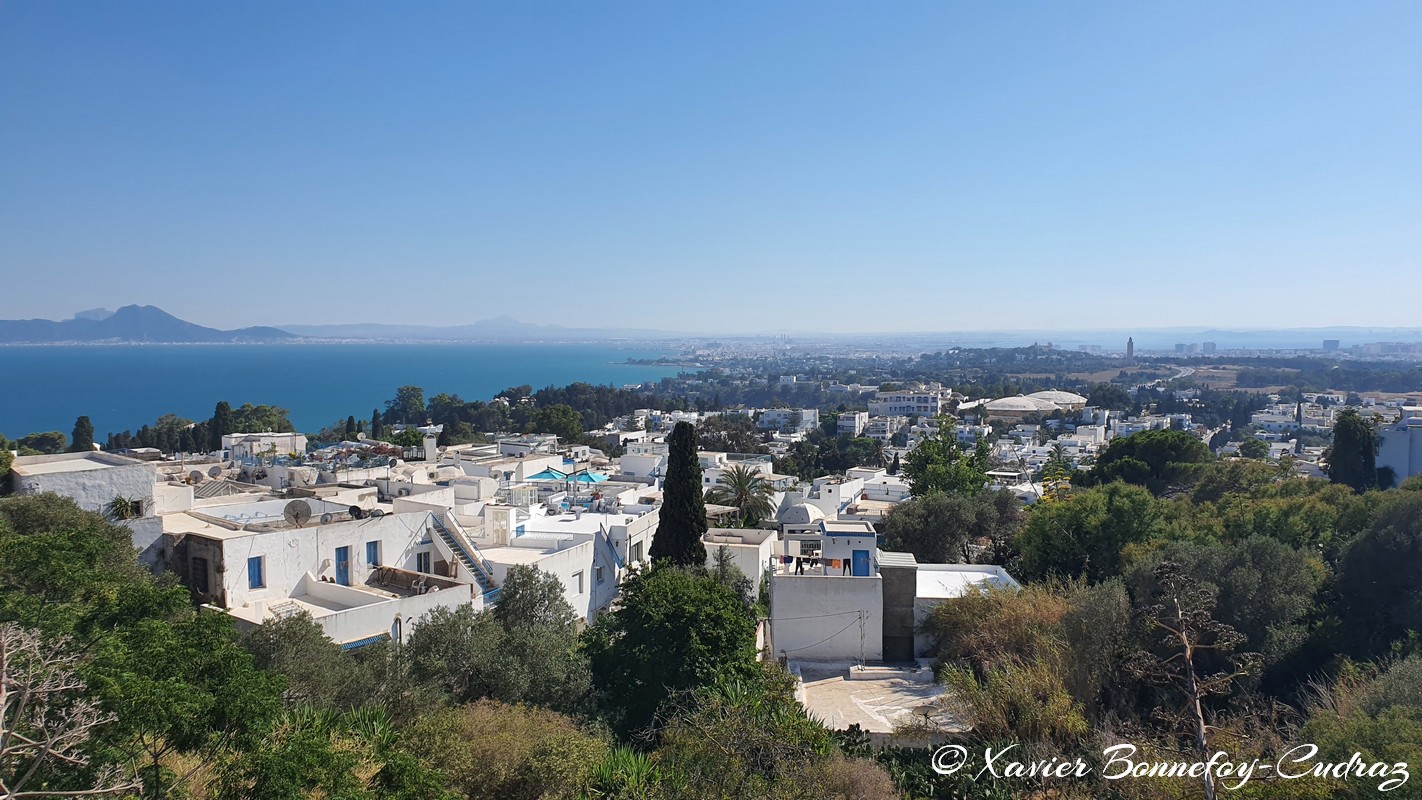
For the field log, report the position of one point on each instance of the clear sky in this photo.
(715, 166)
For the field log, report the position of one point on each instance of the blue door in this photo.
(343, 566)
(861, 563)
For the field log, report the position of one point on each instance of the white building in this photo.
(361, 576)
(248, 447)
(789, 420)
(834, 596)
(851, 423)
(906, 403)
(1400, 445)
(93, 480)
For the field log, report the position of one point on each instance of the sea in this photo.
(123, 387)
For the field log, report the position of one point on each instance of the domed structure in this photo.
(1065, 400)
(802, 515)
(1019, 407)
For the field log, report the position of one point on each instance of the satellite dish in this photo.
(496, 474)
(377, 513)
(195, 476)
(326, 518)
(214, 470)
(357, 512)
(297, 512)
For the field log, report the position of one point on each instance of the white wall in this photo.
(92, 489)
(291, 553)
(814, 618)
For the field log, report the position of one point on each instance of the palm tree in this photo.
(744, 488)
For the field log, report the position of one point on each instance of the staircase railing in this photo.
(480, 567)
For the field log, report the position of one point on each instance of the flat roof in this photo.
(69, 462)
(947, 581)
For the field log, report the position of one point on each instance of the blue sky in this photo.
(715, 166)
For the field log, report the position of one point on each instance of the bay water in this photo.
(122, 387)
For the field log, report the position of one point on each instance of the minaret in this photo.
(1130, 348)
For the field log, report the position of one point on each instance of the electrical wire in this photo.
(822, 641)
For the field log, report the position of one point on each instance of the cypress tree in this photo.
(894, 466)
(220, 426)
(683, 516)
(1352, 460)
(83, 439)
(350, 427)
(376, 428)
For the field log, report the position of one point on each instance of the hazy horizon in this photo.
(821, 168)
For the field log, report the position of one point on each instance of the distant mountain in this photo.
(128, 324)
(95, 314)
(503, 328)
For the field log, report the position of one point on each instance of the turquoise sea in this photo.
(126, 386)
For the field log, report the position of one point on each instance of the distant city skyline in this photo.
(818, 167)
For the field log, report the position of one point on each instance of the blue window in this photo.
(372, 554)
(255, 577)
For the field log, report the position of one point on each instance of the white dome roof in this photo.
(1060, 398)
(1022, 404)
(801, 514)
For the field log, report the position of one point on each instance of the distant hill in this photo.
(128, 324)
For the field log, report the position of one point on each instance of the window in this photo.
(597, 574)
(372, 554)
(578, 582)
(422, 562)
(256, 579)
(637, 552)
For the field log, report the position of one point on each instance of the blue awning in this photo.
(369, 640)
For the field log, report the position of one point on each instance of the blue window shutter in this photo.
(254, 573)
(372, 554)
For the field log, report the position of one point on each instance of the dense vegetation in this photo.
(149, 697)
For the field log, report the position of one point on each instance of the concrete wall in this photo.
(364, 618)
(900, 619)
(814, 618)
(751, 559)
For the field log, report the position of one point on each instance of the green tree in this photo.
(83, 439)
(673, 630)
(1352, 458)
(408, 406)
(181, 686)
(318, 674)
(350, 428)
(377, 425)
(523, 650)
(1253, 448)
(220, 425)
(558, 419)
(1263, 588)
(894, 465)
(46, 443)
(1153, 459)
(938, 464)
(1083, 535)
(1380, 577)
(1110, 396)
(744, 488)
(943, 528)
(683, 514)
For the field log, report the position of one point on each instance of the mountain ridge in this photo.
(131, 324)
